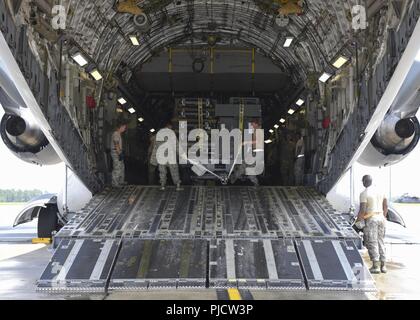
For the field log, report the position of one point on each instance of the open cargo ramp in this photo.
(138, 238)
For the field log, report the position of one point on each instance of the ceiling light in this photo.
(119, 110)
(152, 130)
(282, 120)
(291, 111)
(288, 42)
(276, 126)
(141, 119)
(122, 101)
(132, 110)
(268, 141)
(271, 131)
(325, 76)
(80, 59)
(95, 74)
(300, 102)
(341, 61)
(134, 40)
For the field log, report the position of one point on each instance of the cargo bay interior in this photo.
(309, 68)
(295, 67)
(213, 50)
(231, 78)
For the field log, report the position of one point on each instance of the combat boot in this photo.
(383, 267)
(375, 267)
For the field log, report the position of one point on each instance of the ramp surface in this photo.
(209, 213)
(80, 265)
(334, 265)
(246, 237)
(259, 264)
(143, 264)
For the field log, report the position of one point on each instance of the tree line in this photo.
(12, 195)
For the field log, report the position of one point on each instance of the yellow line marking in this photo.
(41, 240)
(234, 294)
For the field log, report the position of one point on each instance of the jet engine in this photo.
(26, 140)
(392, 142)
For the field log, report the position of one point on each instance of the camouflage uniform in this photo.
(118, 170)
(152, 174)
(152, 165)
(374, 234)
(173, 168)
(287, 163)
(299, 170)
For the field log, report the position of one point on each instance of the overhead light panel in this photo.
(341, 61)
(80, 59)
(276, 126)
(291, 111)
(282, 120)
(268, 141)
(271, 131)
(132, 110)
(122, 101)
(134, 40)
(300, 102)
(152, 130)
(119, 110)
(325, 76)
(96, 74)
(288, 42)
(141, 119)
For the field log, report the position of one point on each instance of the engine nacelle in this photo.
(26, 140)
(392, 142)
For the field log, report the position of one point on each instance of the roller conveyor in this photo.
(217, 237)
(208, 213)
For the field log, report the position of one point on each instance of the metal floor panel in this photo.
(334, 265)
(80, 265)
(259, 264)
(143, 264)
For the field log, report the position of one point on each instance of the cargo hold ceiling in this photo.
(320, 32)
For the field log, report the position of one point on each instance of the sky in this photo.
(17, 174)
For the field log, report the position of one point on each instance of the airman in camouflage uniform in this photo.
(117, 155)
(173, 168)
(373, 210)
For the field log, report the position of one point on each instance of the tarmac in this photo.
(21, 264)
